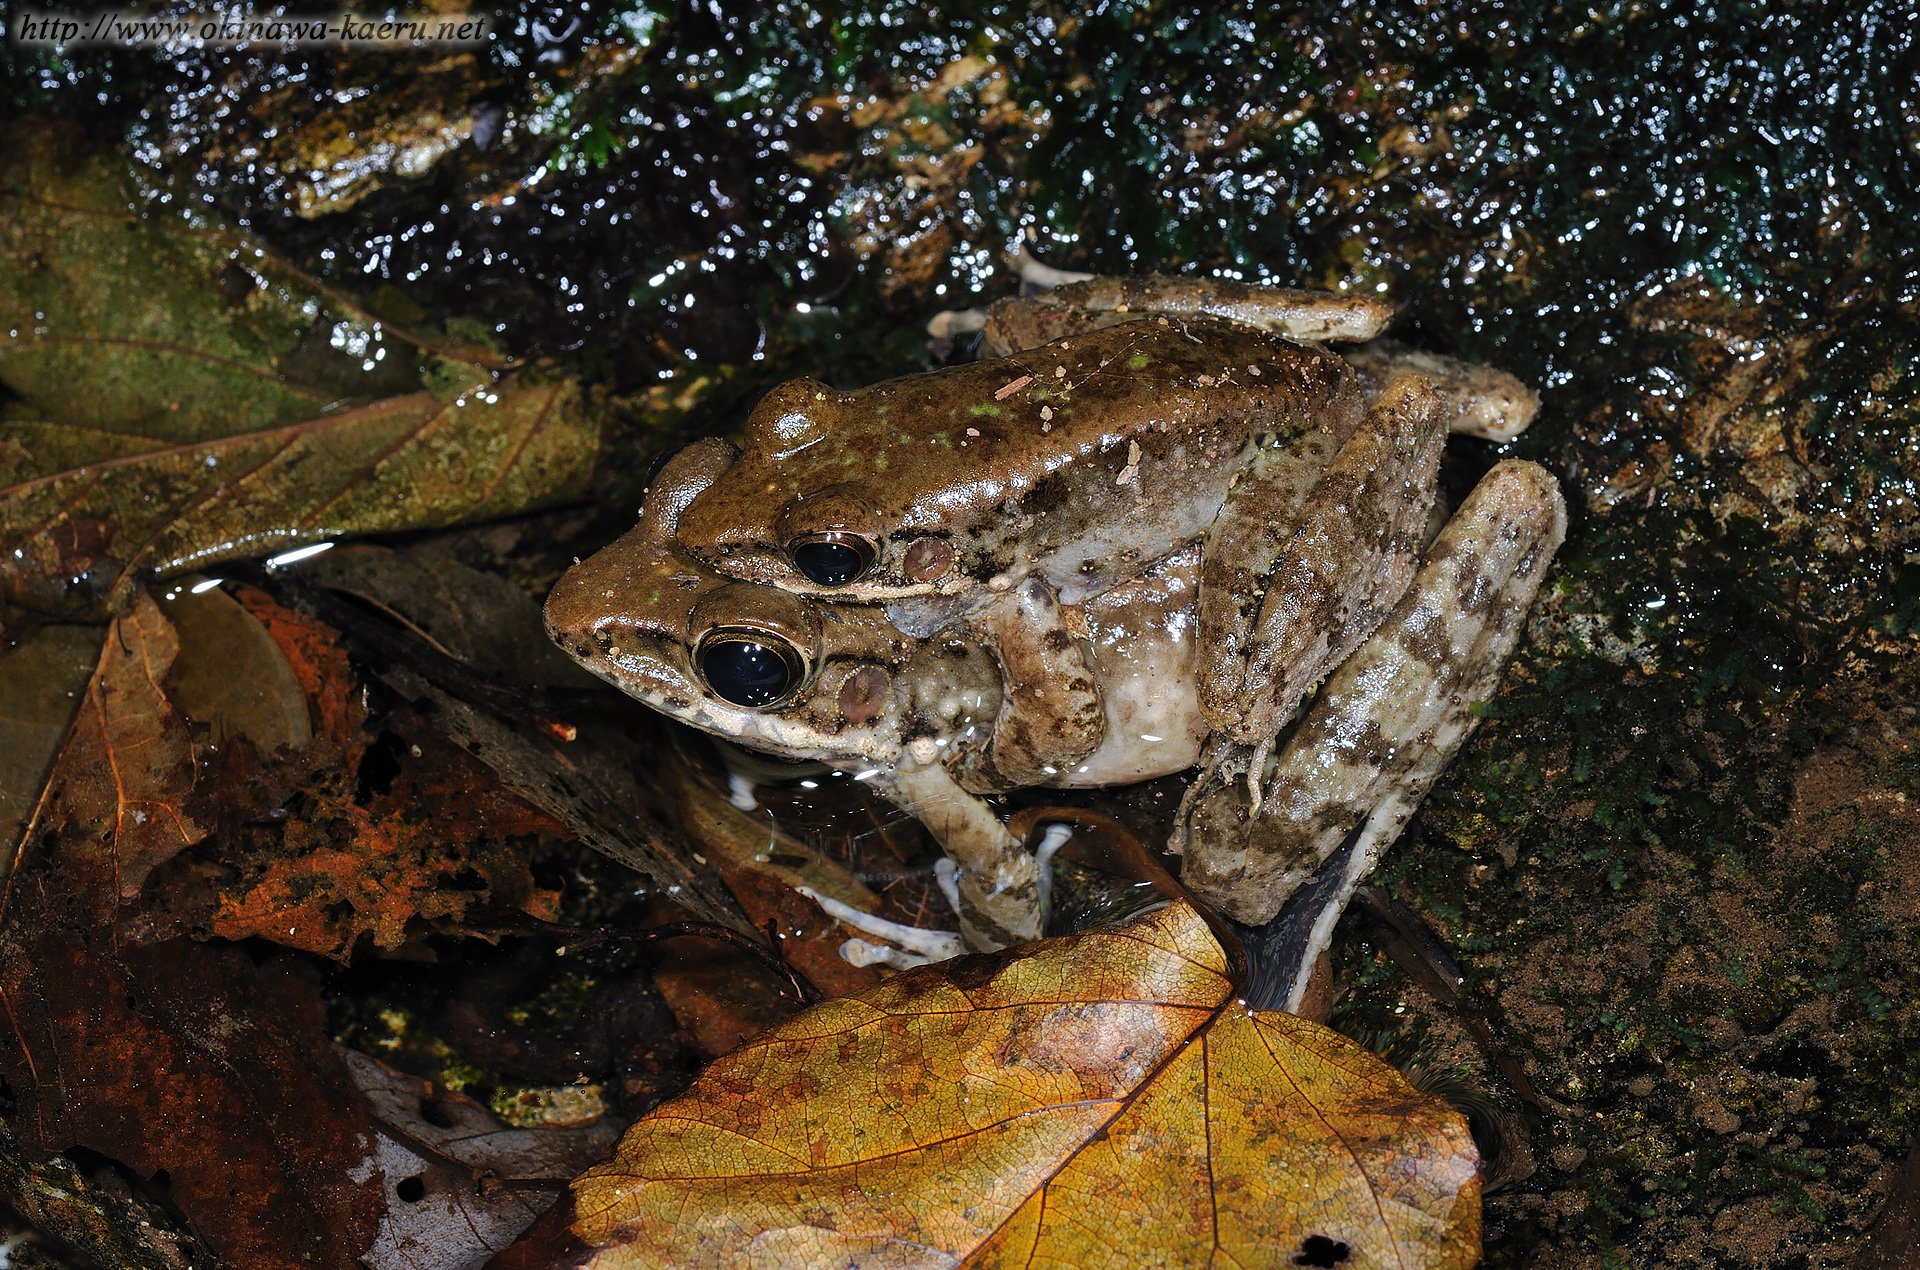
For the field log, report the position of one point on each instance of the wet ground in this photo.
(1680, 861)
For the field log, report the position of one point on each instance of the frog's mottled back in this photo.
(1082, 460)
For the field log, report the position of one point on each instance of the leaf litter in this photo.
(168, 1056)
(185, 399)
(1094, 1100)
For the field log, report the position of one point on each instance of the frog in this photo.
(1111, 422)
(1207, 403)
(924, 714)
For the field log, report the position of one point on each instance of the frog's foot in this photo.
(1289, 587)
(997, 890)
(1037, 276)
(947, 874)
(1391, 718)
(948, 323)
(906, 946)
(1479, 400)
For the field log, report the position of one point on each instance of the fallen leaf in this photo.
(460, 1185)
(762, 866)
(124, 322)
(471, 614)
(231, 675)
(441, 838)
(128, 764)
(186, 398)
(168, 1056)
(43, 679)
(410, 462)
(361, 834)
(1098, 1100)
(320, 665)
(720, 996)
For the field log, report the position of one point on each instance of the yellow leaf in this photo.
(1101, 1100)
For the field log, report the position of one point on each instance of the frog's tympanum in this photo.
(1136, 542)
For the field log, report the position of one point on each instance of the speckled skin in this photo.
(1103, 560)
(1078, 463)
(1391, 717)
(924, 717)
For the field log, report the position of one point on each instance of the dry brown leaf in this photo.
(168, 1056)
(460, 1184)
(43, 679)
(231, 676)
(135, 771)
(1100, 1100)
(761, 866)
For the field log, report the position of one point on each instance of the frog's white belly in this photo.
(1144, 637)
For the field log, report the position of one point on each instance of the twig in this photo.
(549, 711)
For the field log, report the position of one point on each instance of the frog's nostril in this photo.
(831, 559)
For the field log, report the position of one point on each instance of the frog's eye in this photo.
(832, 559)
(749, 667)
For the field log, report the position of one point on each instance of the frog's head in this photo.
(774, 671)
(823, 498)
(915, 486)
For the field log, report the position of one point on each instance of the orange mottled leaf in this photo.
(1100, 1100)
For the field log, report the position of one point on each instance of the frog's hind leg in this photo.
(1390, 719)
(1290, 586)
(1091, 304)
(1479, 400)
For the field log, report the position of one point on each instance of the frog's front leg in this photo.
(1050, 714)
(1388, 721)
(997, 881)
(1293, 579)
